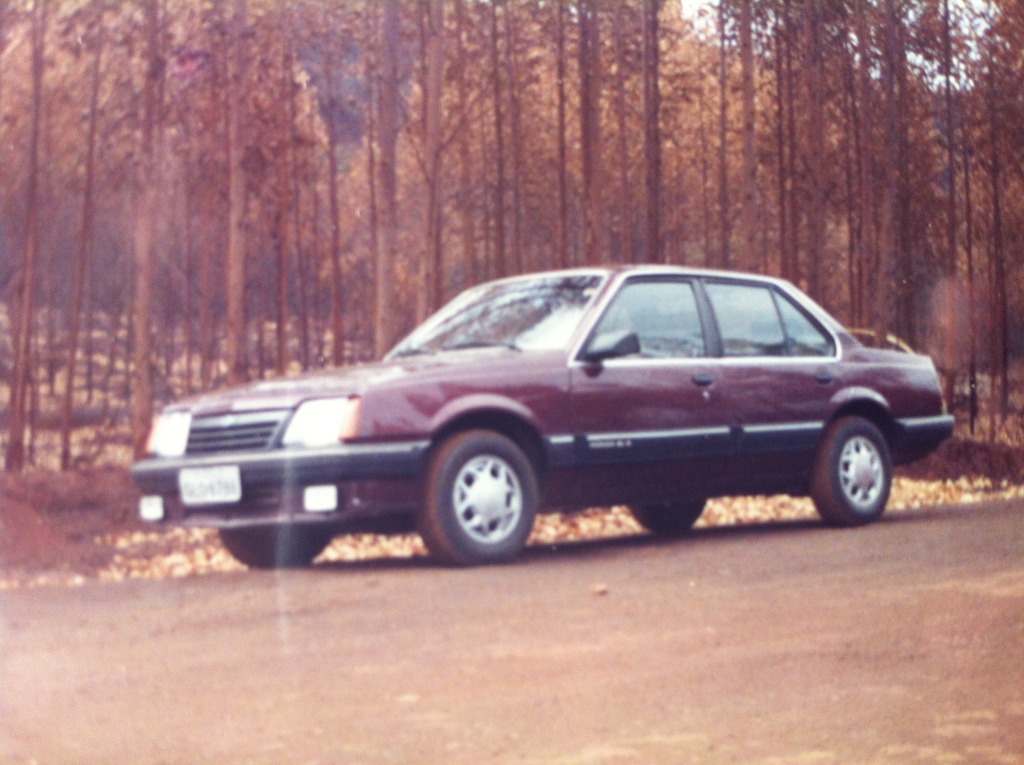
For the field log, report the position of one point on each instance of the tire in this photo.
(852, 473)
(276, 546)
(668, 519)
(480, 501)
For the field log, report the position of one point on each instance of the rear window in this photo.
(754, 320)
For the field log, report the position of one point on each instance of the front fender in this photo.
(477, 403)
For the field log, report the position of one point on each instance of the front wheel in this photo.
(481, 499)
(275, 546)
(852, 474)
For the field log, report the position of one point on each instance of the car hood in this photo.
(287, 393)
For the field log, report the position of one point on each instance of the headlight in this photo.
(323, 422)
(169, 435)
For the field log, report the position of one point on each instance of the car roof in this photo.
(654, 269)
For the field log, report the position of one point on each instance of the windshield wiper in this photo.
(414, 350)
(467, 344)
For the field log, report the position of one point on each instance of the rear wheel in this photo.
(852, 474)
(481, 499)
(669, 519)
(276, 546)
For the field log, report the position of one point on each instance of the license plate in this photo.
(211, 485)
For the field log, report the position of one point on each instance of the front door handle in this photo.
(703, 380)
(824, 376)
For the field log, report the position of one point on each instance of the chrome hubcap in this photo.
(861, 474)
(488, 499)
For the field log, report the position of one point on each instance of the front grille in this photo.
(243, 431)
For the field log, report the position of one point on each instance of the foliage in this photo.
(876, 160)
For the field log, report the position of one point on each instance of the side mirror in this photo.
(611, 345)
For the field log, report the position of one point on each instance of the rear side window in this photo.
(804, 337)
(755, 321)
(748, 321)
(664, 316)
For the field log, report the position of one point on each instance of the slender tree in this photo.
(334, 204)
(626, 249)
(21, 371)
(750, 209)
(387, 126)
(591, 145)
(724, 258)
(464, 137)
(236, 340)
(652, 131)
(78, 285)
(562, 255)
(500, 264)
(816, 159)
(434, 54)
(145, 232)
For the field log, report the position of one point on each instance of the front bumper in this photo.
(368, 478)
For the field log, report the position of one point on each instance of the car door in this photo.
(649, 425)
(779, 370)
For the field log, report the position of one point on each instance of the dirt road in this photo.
(902, 642)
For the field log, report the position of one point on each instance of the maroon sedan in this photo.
(654, 387)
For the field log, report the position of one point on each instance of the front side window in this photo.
(755, 321)
(525, 314)
(664, 316)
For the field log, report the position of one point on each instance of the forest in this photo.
(195, 193)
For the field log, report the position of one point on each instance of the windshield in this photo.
(537, 313)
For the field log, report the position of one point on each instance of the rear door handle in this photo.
(703, 380)
(824, 376)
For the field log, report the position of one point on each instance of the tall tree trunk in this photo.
(500, 267)
(385, 313)
(883, 293)
(207, 260)
(868, 234)
(591, 144)
(286, 234)
(145, 235)
(791, 266)
(82, 255)
(516, 141)
(972, 311)
(236, 340)
(724, 259)
(851, 116)
(627, 249)
(337, 294)
(301, 261)
(781, 42)
(21, 371)
(705, 162)
(371, 163)
(4, 10)
(467, 219)
(951, 340)
(999, 334)
(334, 205)
(653, 251)
(562, 256)
(432, 95)
(750, 211)
(815, 68)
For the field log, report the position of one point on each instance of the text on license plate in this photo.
(210, 485)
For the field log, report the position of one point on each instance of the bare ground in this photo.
(778, 643)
